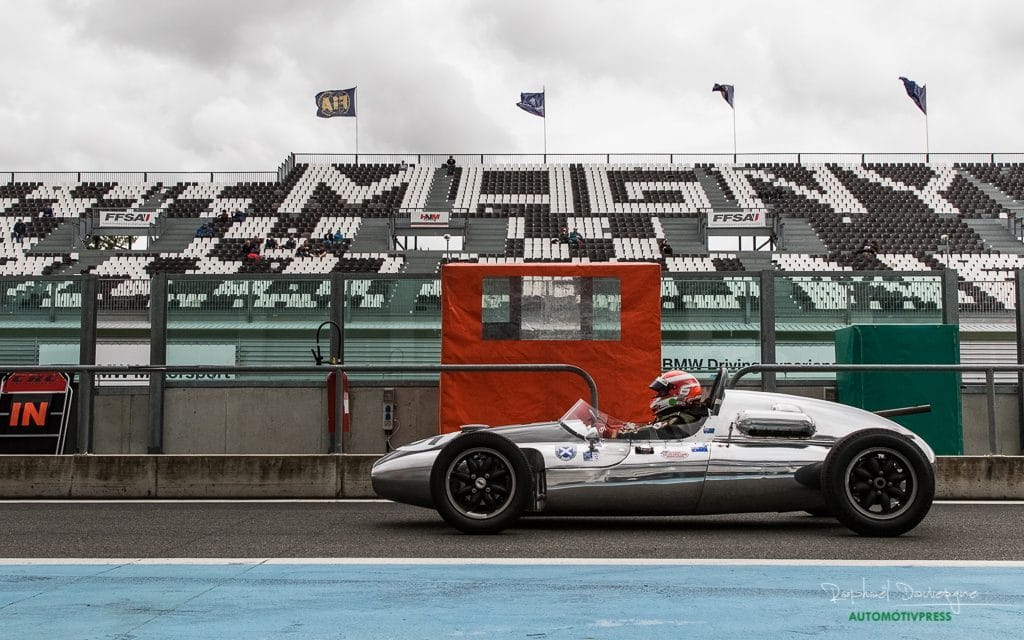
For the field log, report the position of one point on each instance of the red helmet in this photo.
(674, 390)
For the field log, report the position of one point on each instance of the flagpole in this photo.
(356, 107)
(544, 92)
(734, 131)
(927, 149)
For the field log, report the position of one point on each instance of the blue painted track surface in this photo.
(254, 600)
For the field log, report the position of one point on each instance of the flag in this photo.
(532, 103)
(726, 90)
(917, 93)
(337, 102)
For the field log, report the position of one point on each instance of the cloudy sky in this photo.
(229, 85)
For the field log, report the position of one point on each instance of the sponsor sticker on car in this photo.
(565, 454)
(675, 454)
(699, 448)
(590, 456)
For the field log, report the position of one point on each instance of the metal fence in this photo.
(660, 158)
(799, 296)
(511, 159)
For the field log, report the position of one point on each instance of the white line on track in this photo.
(330, 500)
(191, 500)
(988, 564)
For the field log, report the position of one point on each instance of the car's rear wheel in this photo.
(878, 483)
(481, 483)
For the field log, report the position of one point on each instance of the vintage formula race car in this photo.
(753, 451)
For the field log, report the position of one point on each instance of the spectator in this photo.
(319, 250)
(450, 163)
(223, 217)
(338, 237)
(238, 215)
(869, 247)
(289, 243)
(665, 247)
(328, 237)
(253, 256)
(270, 244)
(575, 239)
(303, 251)
(48, 211)
(19, 231)
(404, 165)
(563, 237)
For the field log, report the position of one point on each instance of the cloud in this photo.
(217, 85)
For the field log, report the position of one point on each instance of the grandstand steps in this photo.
(756, 260)
(485, 235)
(799, 237)
(374, 236)
(992, 192)
(176, 234)
(423, 262)
(719, 201)
(440, 187)
(996, 235)
(63, 239)
(684, 235)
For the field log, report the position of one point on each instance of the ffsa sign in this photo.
(725, 219)
(125, 218)
(35, 405)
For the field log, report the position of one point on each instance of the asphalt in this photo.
(373, 529)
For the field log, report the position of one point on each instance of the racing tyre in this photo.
(878, 483)
(481, 483)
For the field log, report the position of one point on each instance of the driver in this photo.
(677, 408)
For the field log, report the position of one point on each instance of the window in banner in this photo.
(551, 308)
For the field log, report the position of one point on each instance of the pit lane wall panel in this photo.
(340, 476)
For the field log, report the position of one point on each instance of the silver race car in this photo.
(745, 451)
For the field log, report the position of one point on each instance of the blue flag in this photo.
(532, 103)
(726, 90)
(917, 93)
(338, 102)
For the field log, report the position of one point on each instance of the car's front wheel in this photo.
(878, 483)
(480, 483)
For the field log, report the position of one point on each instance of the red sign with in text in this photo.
(34, 405)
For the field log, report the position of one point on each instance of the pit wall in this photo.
(336, 476)
(293, 419)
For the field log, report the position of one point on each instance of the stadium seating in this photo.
(917, 214)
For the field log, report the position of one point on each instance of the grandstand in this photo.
(921, 217)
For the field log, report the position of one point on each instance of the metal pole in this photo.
(990, 397)
(768, 327)
(337, 443)
(950, 298)
(87, 356)
(1018, 289)
(157, 356)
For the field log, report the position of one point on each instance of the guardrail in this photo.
(988, 369)
(86, 378)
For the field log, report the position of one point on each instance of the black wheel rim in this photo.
(480, 483)
(881, 483)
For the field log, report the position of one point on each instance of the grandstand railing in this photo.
(138, 177)
(658, 158)
(512, 159)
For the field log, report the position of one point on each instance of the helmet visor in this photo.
(660, 386)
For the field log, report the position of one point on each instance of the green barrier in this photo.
(942, 428)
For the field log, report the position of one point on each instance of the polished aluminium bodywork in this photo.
(759, 452)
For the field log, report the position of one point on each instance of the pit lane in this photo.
(380, 529)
